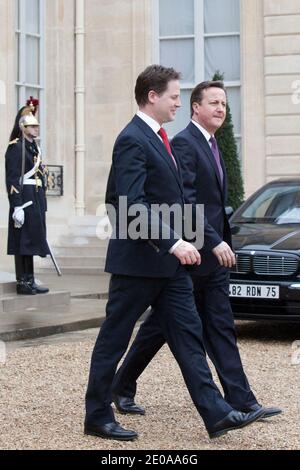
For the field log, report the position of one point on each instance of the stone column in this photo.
(282, 88)
(253, 113)
(7, 113)
(80, 107)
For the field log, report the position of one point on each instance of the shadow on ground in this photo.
(268, 331)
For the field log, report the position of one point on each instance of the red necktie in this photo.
(165, 140)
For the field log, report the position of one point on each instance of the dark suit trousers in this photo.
(213, 305)
(179, 321)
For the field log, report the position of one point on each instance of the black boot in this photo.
(30, 276)
(23, 286)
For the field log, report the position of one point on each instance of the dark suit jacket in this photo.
(143, 171)
(202, 185)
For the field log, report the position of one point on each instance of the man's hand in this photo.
(18, 217)
(224, 254)
(187, 253)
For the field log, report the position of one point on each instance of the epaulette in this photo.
(14, 141)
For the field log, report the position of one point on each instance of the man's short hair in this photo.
(156, 78)
(197, 93)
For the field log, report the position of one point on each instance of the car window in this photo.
(289, 216)
(278, 204)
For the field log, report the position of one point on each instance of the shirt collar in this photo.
(149, 120)
(204, 131)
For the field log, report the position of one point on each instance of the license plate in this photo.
(254, 291)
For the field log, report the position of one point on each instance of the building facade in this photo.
(81, 58)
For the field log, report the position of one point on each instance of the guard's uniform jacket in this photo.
(31, 238)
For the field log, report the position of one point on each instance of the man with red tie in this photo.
(205, 182)
(149, 271)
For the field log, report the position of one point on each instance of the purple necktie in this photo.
(216, 154)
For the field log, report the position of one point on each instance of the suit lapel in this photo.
(178, 170)
(159, 147)
(224, 177)
(201, 140)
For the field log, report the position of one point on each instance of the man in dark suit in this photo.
(205, 182)
(147, 270)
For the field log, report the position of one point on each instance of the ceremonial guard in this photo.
(26, 187)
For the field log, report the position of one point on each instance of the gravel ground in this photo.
(42, 389)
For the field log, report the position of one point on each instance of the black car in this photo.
(265, 283)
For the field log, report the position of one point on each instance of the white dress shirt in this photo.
(155, 126)
(204, 132)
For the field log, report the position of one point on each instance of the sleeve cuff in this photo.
(173, 248)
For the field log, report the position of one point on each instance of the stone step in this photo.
(77, 261)
(82, 261)
(82, 241)
(77, 284)
(79, 251)
(7, 276)
(77, 315)
(86, 220)
(97, 231)
(7, 288)
(89, 270)
(89, 226)
(19, 303)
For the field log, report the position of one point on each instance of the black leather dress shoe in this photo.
(126, 405)
(40, 289)
(234, 420)
(268, 412)
(110, 431)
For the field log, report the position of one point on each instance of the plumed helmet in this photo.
(28, 113)
(28, 120)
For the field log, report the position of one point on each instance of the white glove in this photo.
(18, 217)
